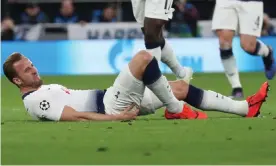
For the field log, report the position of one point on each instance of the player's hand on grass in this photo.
(129, 113)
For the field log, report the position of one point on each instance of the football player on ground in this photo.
(152, 15)
(247, 17)
(140, 83)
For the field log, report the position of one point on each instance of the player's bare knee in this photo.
(248, 45)
(225, 39)
(139, 63)
(146, 57)
(143, 58)
(225, 42)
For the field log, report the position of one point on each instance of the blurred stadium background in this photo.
(86, 35)
(85, 43)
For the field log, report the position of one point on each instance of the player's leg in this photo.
(213, 101)
(208, 100)
(152, 16)
(129, 86)
(251, 20)
(151, 27)
(168, 57)
(157, 14)
(145, 67)
(225, 22)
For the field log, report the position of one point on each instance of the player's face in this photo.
(27, 74)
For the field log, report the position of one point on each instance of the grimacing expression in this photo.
(27, 74)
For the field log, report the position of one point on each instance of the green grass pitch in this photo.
(222, 139)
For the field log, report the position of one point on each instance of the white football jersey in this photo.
(48, 101)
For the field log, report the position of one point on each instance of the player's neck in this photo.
(24, 90)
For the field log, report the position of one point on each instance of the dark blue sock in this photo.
(194, 96)
(152, 72)
(143, 30)
(162, 44)
(257, 48)
(226, 54)
(152, 45)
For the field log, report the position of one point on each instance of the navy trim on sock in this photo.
(162, 44)
(152, 72)
(152, 45)
(194, 96)
(226, 54)
(257, 48)
(143, 30)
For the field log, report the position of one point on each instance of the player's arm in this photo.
(52, 107)
(70, 114)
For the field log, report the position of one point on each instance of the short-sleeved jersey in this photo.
(48, 102)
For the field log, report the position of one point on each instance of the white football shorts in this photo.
(158, 9)
(125, 91)
(244, 17)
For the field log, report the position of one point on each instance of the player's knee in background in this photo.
(248, 44)
(225, 43)
(225, 38)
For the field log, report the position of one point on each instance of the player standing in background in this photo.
(247, 16)
(152, 15)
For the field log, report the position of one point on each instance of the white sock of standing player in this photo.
(168, 57)
(230, 67)
(262, 49)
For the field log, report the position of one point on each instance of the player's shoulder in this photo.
(44, 92)
(52, 86)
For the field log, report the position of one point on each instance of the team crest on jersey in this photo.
(44, 105)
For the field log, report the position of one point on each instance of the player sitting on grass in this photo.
(140, 83)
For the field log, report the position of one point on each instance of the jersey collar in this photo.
(26, 94)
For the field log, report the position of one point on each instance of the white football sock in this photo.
(217, 102)
(264, 50)
(156, 52)
(231, 71)
(162, 90)
(168, 57)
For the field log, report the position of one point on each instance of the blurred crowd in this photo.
(183, 24)
(66, 13)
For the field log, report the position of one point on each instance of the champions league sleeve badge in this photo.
(44, 105)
